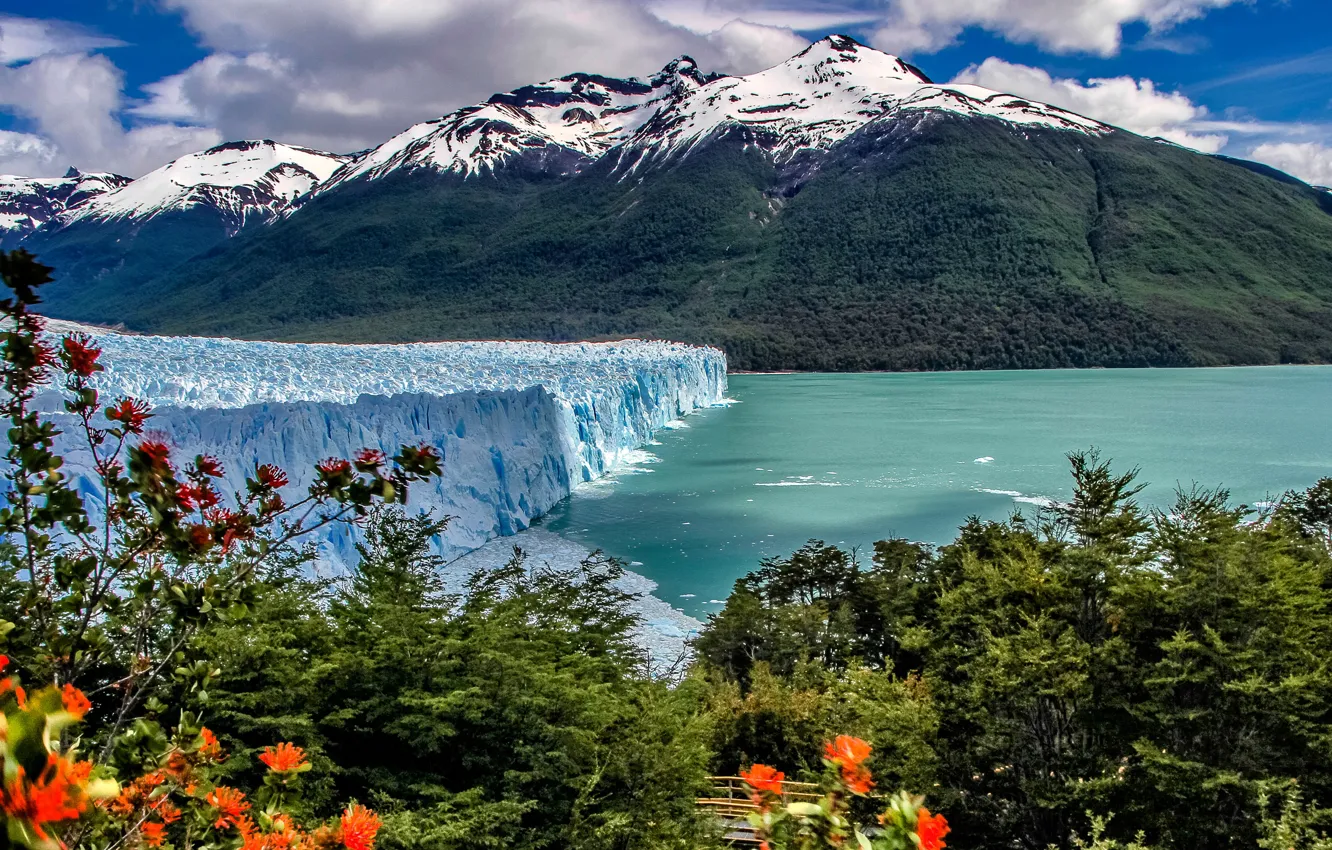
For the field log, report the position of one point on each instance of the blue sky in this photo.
(127, 85)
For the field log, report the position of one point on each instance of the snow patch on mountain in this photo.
(26, 203)
(241, 180)
(821, 96)
(582, 113)
(810, 102)
(518, 424)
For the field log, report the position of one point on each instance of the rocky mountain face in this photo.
(27, 203)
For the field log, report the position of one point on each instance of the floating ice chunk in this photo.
(983, 460)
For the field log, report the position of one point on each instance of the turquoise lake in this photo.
(851, 459)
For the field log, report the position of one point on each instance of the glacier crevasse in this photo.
(519, 424)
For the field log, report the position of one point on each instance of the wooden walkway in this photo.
(729, 802)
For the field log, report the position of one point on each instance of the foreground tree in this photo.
(1163, 670)
(101, 593)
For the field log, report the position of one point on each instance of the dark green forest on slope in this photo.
(927, 242)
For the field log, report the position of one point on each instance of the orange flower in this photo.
(230, 805)
(849, 755)
(211, 749)
(56, 796)
(858, 781)
(847, 751)
(284, 758)
(359, 826)
(764, 779)
(153, 834)
(931, 829)
(166, 810)
(251, 838)
(74, 701)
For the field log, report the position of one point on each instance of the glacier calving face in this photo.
(519, 424)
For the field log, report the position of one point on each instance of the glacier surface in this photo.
(519, 424)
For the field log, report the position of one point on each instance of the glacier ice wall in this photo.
(519, 424)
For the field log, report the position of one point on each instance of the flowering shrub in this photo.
(44, 789)
(905, 823)
(109, 593)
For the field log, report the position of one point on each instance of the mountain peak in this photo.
(239, 178)
(819, 97)
(682, 70)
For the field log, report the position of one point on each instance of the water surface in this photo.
(852, 459)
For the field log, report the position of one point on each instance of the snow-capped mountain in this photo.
(27, 203)
(242, 181)
(824, 94)
(582, 113)
(809, 102)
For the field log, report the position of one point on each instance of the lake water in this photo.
(851, 459)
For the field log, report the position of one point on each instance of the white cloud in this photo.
(22, 39)
(24, 154)
(1136, 105)
(347, 74)
(706, 16)
(73, 102)
(1060, 26)
(1309, 161)
(748, 45)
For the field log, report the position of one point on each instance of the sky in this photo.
(128, 85)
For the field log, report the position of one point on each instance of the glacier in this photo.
(519, 424)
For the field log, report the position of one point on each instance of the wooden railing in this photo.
(730, 803)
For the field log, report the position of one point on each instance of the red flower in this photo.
(4, 662)
(130, 412)
(74, 701)
(205, 496)
(271, 477)
(81, 355)
(764, 779)
(153, 834)
(333, 467)
(230, 806)
(284, 758)
(370, 459)
(43, 354)
(156, 454)
(219, 516)
(359, 826)
(185, 497)
(201, 537)
(931, 829)
(425, 451)
(208, 465)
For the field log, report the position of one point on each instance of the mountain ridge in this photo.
(839, 211)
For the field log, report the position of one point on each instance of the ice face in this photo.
(518, 423)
